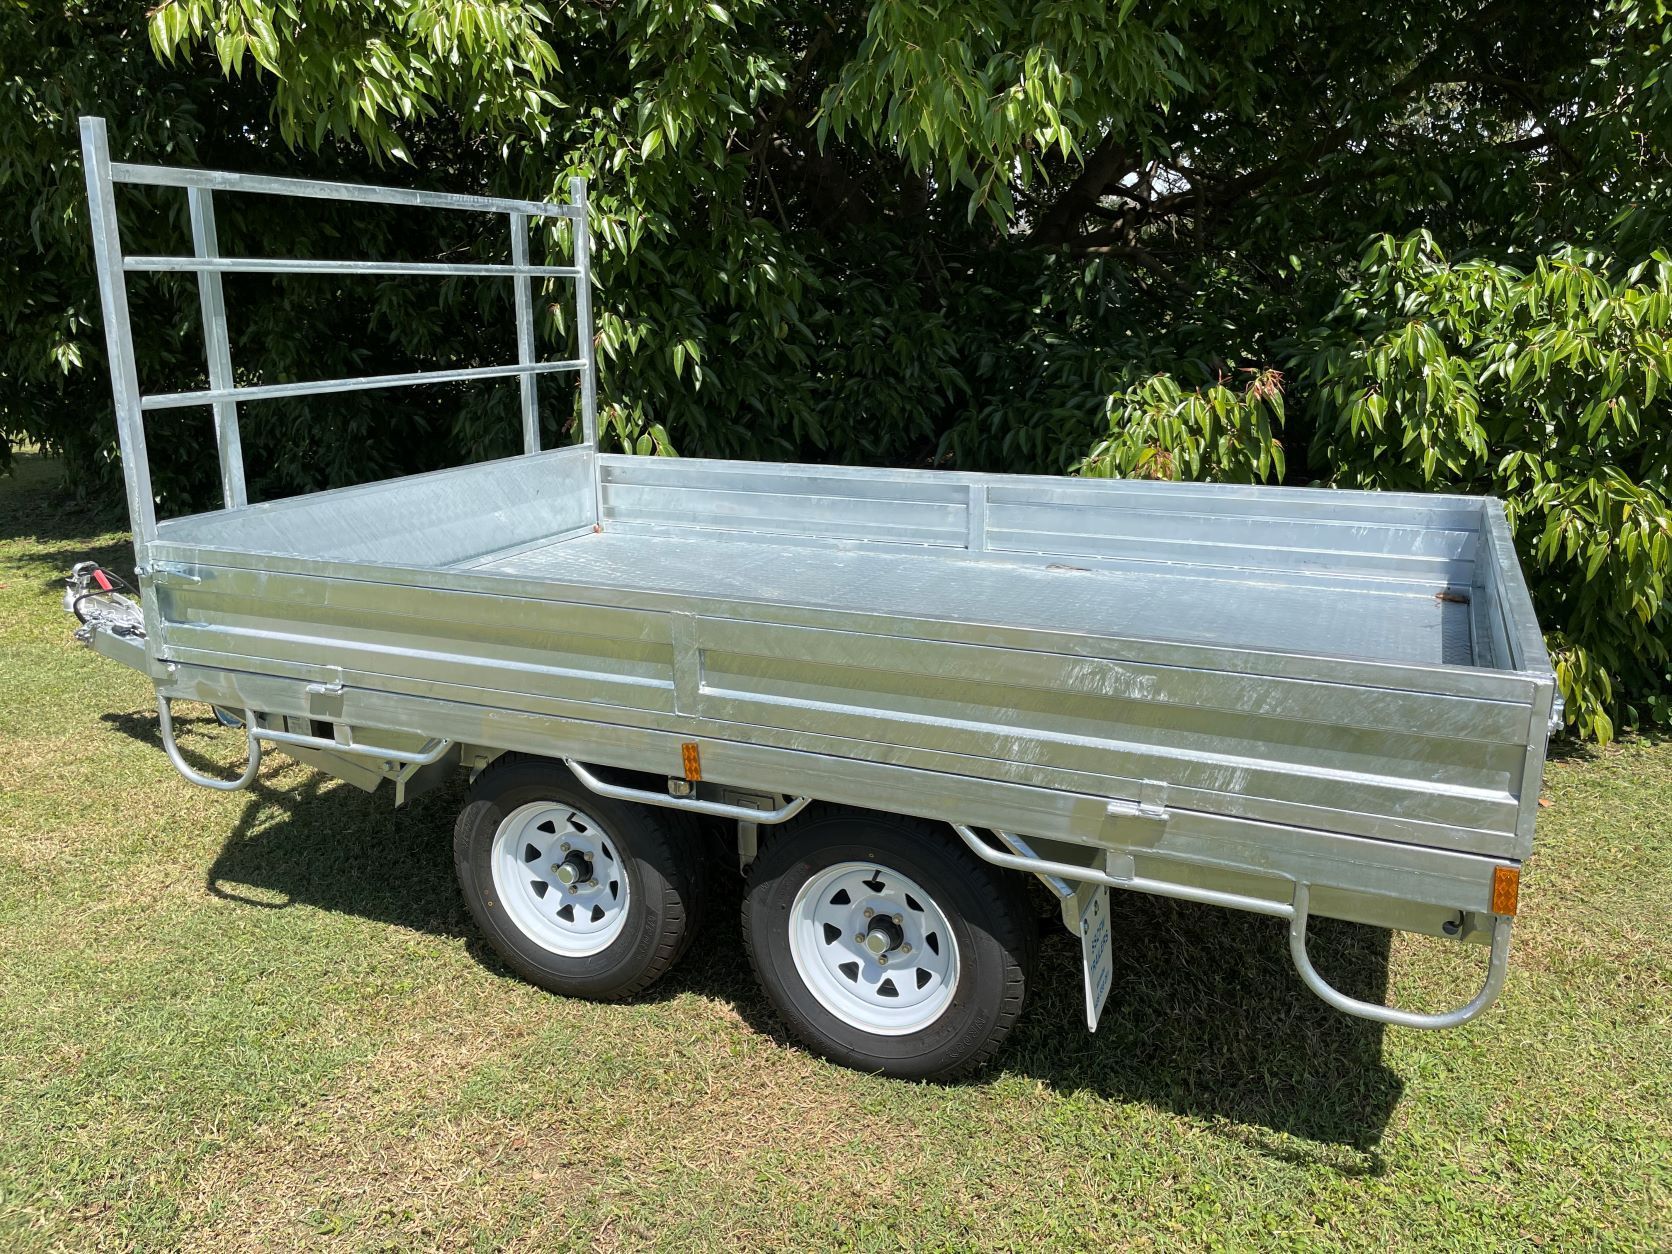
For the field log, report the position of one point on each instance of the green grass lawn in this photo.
(262, 1019)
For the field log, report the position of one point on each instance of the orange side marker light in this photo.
(1506, 890)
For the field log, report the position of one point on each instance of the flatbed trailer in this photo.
(906, 689)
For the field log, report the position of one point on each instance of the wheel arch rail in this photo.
(1296, 911)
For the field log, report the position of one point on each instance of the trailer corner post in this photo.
(580, 239)
(113, 297)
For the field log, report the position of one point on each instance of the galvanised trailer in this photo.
(907, 691)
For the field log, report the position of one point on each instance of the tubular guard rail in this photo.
(719, 809)
(1295, 910)
(254, 734)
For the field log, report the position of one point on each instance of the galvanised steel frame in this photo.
(1289, 701)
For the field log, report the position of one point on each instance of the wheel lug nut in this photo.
(859, 938)
(905, 949)
(882, 960)
(564, 847)
(897, 918)
(869, 912)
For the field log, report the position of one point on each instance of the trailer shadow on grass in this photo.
(320, 842)
(1207, 1017)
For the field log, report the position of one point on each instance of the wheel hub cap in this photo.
(575, 869)
(874, 948)
(560, 877)
(883, 937)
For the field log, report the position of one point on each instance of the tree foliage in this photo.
(1128, 238)
(1544, 387)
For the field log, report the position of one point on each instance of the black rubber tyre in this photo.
(985, 909)
(659, 852)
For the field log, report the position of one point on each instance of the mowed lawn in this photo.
(262, 1019)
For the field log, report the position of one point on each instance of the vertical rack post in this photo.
(583, 313)
(218, 345)
(119, 344)
(523, 286)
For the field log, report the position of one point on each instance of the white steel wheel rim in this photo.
(561, 878)
(834, 924)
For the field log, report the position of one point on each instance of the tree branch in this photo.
(1104, 244)
(1058, 223)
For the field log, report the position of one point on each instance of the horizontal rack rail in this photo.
(272, 391)
(273, 185)
(281, 265)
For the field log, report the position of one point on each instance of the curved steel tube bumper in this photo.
(1497, 967)
(1296, 911)
(165, 725)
